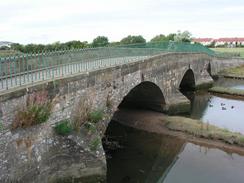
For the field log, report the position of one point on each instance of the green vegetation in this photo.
(133, 40)
(32, 115)
(100, 41)
(63, 127)
(36, 110)
(183, 36)
(229, 91)
(95, 116)
(94, 144)
(236, 51)
(234, 72)
(4, 53)
(1, 126)
(205, 130)
(162, 38)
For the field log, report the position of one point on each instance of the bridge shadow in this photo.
(137, 156)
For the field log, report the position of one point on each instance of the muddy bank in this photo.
(159, 123)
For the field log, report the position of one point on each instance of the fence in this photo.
(29, 68)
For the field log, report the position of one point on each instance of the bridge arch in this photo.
(146, 95)
(188, 81)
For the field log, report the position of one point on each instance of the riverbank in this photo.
(184, 128)
(228, 91)
(235, 73)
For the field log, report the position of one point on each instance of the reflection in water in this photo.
(144, 157)
(201, 165)
(152, 158)
(222, 112)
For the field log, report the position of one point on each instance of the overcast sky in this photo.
(47, 21)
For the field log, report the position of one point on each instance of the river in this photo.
(153, 158)
(221, 111)
(135, 156)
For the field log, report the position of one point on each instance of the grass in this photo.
(4, 53)
(1, 126)
(35, 110)
(94, 143)
(234, 72)
(230, 50)
(31, 115)
(205, 130)
(229, 91)
(63, 127)
(95, 116)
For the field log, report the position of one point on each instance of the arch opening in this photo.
(146, 95)
(188, 82)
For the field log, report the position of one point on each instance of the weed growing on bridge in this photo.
(95, 143)
(63, 127)
(35, 110)
(1, 126)
(81, 113)
(95, 116)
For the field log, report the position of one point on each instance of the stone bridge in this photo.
(152, 83)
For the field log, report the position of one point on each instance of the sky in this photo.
(48, 21)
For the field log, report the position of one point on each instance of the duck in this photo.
(223, 108)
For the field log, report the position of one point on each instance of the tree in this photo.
(76, 44)
(183, 36)
(100, 41)
(133, 40)
(161, 38)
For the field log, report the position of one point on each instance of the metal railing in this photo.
(19, 70)
(25, 69)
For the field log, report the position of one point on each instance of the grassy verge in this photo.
(4, 53)
(234, 72)
(229, 91)
(204, 130)
(230, 50)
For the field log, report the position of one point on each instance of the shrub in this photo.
(63, 127)
(95, 116)
(36, 110)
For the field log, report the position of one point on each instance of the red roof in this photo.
(236, 39)
(201, 40)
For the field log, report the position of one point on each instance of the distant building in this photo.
(204, 41)
(228, 42)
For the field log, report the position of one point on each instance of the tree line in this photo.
(100, 41)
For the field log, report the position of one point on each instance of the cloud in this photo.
(48, 21)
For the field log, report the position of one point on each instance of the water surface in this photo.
(152, 158)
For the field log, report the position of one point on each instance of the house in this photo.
(229, 42)
(204, 41)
